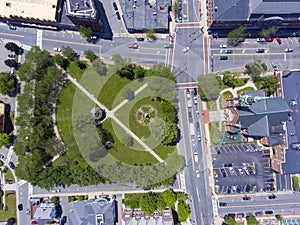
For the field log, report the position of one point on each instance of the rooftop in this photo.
(35, 9)
(231, 9)
(146, 14)
(275, 7)
(81, 8)
(45, 211)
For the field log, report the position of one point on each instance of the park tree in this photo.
(7, 83)
(128, 93)
(158, 129)
(4, 139)
(11, 63)
(119, 63)
(100, 67)
(229, 220)
(236, 35)
(209, 87)
(228, 79)
(85, 31)
(183, 211)
(251, 220)
(127, 72)
(139, 72)
(255, 69)
(175, 7)
(12, 47)
(160, 71)
(90, 55)
(160, 203)
(270, 84)
(268, 32)
(150, 33)
(80, 64)
(148, 203)
(55, 200)
(11, 221)
(169, 197)
(295, 183)
(61, 61)
(69, 53)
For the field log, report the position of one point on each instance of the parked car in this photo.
(222, 204)
(272, 197)
(268, 212)
(196, 156)
(1, 156)
(259, 213)
(228, 51)
(270, 39)
(11, 55)
(118, 15)
(140, 39)
(195, 91)
(223, 173)
(222, 57)
(186, 49)
(270, 180)
(260, 50)
(279, 41)
(57, 49)
(12, 27)
(115, 6)
(288, 50)
(34, 222)
(241, 172)
(240, 215)
(134, 45)
(246, 198)
(55, 190)
(20, 207)
(228, 165)
(195, 100)
(223, 46)
(149, 39)
(199, 138)
(11, 165)
(260, 40)
(168, 46)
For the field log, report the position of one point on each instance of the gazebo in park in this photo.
(98, 114)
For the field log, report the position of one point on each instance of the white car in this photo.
(199, 138)
(57, 49)
(260, 40)
(186, 49)
(196, 156)
(288, 50)
(223, 46)
(195, 100)
(197, 173)
(55, 191)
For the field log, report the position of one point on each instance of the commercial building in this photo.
(225, 15)
(101, 211)
(140, 15)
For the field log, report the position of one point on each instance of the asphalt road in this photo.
(245, 53)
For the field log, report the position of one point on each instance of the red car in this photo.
(270, 39)
(278, 40)
(34, 222)
(134, 46)
(188, 91)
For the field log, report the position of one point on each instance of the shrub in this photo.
(132, 203)
(295, 181)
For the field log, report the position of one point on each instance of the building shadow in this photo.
(106, 32)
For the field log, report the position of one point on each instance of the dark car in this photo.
(222, 204)
(228, 51)
(272, 197)
(195, 91)
(140, 39)
(1, 156)
(246, 198)
(231, 215)
(249, 214)
(115, 6)
(20, 207)
(11, 55)
(11, 165)
(118, 15)
(240, 215)
(247, 188)
(269, 212)
(63, 220)
(270, 180)
(260, 213)
(223, 173)
(279, 41)
(12, 27)
(228, 165)
(223, 57)
(260, 50)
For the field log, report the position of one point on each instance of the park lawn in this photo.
(214, 132)
(10, 202)
(111, 89)
(136, 196)
(164, 151)
(75, 71)
(246, 89)
(227, 94)
(8, 175)
(127, 154)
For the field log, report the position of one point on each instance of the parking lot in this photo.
(242, 169)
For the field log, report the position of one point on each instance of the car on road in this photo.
(279, 41)
(269, 212)
(197, 173)
(288, 50)
(1, 156)
(223, 46)
(222, 204)
(259, 213)
(55, 190)
(12, 27)
(260, 50)
(57, 49)
(11, 165)
(168, 46)
(246, 198)
(241, 172)
(20, 207)
(272, 197)
(199, 138)
(270, 39)
(270, 180)
(228, 51)
(140, 39)
(188, 93)
(186, 49)
(196, 156)
(195, 91)
(149, 39)
(261, 40)
(34, 222)
(134, 46)
(222, 57)
(195, 100)
(115, 6)
(118, 15)
(11, 55)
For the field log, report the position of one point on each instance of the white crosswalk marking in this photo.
(39, 38)
(21, 182)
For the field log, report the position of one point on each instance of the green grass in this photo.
(227, 94)
(136, 197)
(295, 182)
(214, 132)
(164, 151)
(8, 175)
(123, 153)
(111, 89)
(75, 71)
(246, 90)
(10, 202)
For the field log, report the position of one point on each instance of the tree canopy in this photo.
(69, 53)
(268, 32)
(7, 83)
(183, 211)
(209, 87)
(90, 55)
(85, 31)
(12, 47)
(4, 139)
(255, 69)
(229, 220)
(251, 220)
(236, 35)
(100, 67)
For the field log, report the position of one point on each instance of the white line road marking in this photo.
(244, 50)
(39, 38)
